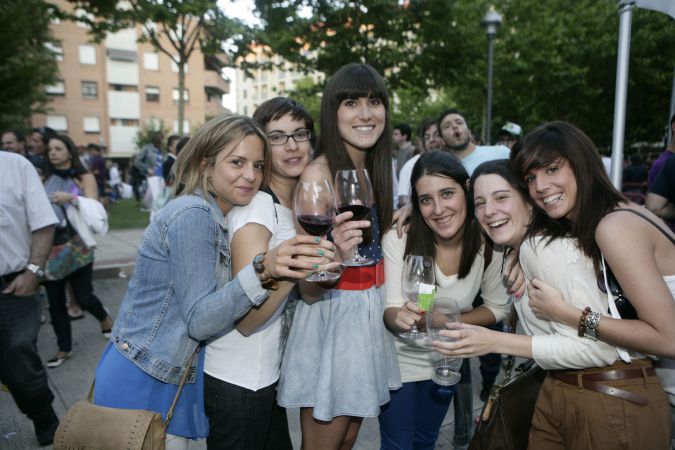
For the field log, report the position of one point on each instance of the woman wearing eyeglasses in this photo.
(242, 365)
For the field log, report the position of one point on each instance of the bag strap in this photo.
(623, 354)
(513, 322)
(648, 219)
(169, 414)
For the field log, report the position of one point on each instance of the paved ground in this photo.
(70, 382)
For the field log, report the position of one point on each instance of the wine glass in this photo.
(353, 192)
(314, 205)
(418, 281)
(445, 315)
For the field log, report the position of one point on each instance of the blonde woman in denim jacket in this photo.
(182, 292)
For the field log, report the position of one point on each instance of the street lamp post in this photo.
(492, 20)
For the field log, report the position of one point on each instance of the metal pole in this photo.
(672, 110)
(623, 53)
(488, 125)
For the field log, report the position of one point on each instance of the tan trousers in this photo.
(573, 418)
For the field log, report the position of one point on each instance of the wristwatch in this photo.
(38, 271)
(266, 281)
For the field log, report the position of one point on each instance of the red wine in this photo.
(315, 225)
(360, 212)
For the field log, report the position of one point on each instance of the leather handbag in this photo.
(505, 421)
(87, 426)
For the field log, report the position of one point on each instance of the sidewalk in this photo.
(116, 252)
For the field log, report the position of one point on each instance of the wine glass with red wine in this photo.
(353, 192)
(314, 204)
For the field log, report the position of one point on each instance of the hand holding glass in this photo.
(353, 192)
(315, 210)
(445, 315)
(418, 281)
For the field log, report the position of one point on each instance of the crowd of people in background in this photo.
(221, 287)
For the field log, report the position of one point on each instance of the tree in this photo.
(27, 66)
(174, 27)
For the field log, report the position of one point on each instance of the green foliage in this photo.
(308, 94)
(552, 60)
(26, 65)
(146, 130)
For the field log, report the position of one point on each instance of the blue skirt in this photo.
(121, 384)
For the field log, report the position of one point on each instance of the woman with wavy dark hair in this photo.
(66, 180)
(340, 361)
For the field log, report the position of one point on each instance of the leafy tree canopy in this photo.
(27, 66)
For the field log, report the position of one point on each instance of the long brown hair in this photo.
(354, 81)
(596, 196)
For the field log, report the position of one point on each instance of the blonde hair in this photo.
(223, 133)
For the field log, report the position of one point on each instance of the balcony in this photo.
(215, 84)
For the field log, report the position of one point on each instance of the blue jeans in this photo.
(241, 419)
(463, 406)
(20, 366)
(413, 417)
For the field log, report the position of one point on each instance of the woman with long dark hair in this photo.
(340, 361)
(444, 229)
(66, 180)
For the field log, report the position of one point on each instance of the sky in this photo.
(242, 9)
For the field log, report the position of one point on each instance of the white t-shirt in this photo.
(252, 362)
(404, 176)
(485, 153)
(416, 362)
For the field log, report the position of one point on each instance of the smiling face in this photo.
(237, 175)
(554, 189)
(59, 156)
(361, 122)
(501, 210)
(289, 159)
(442, 204)
(455, 132)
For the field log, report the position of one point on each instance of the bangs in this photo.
(537, 152)
(358, 81)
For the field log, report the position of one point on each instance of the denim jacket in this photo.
(180, 292)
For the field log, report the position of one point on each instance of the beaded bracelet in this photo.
(582, 321)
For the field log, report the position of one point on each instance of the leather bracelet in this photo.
(266, 281)
(592, 322)
(582, 321)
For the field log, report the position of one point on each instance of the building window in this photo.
(151, 61)
(174, 66)
(56, 48)
(186, 126)
(57, 122)
(243, 93)
(263, 92)
(246, 110)
(124, 122)
(255, 93)
(123, 87)
(87, 54)
(89, 89)
(263, 75)
(58, 88)
(91, 125)
(151, 94)
(186, 97)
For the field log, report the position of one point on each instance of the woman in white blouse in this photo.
(443, 228)
(242, 366)
(590, 398)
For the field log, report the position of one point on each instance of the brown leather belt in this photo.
(592, 381)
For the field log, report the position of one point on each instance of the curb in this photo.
(107, 269)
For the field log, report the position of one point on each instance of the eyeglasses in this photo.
(282, 139)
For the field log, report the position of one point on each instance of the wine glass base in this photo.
(357, 262)
(323, 276)
(414, 335)
(444, 376)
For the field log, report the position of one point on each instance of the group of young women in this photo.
(222, 270)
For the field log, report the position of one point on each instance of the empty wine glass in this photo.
(314, 205)
(418, 282)
(353, 192)
(445, 315)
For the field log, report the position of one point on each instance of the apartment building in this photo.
(266, 84)
(106, 91)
